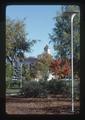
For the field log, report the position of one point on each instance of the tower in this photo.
(46, 49)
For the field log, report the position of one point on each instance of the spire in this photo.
(46, 49)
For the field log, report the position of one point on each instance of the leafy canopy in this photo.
(16, 38)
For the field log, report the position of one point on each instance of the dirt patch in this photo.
(40, 106)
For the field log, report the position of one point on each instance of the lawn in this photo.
(12, 91)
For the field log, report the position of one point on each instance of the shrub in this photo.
(33, 89)
(77, 91)
(8, 82)
(58, 87)
(43, 88)
(55, 87)
(15, 84)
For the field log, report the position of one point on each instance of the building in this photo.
(30, 62)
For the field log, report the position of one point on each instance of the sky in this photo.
(39, 23)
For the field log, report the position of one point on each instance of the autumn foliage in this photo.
(60, 67)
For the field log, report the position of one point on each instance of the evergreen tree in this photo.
(61, 36)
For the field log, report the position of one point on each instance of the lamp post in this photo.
(72, 14)
(21, 75)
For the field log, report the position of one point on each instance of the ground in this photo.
(16, 105)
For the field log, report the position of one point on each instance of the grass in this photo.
(12, 91)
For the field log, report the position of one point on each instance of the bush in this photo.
(77, 91)
(55, 87)
(8, 82)
(33, 89)
(43, 88)
(15, 84)
(44, 84)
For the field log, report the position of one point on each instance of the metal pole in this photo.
(21, 75)
(73, 15)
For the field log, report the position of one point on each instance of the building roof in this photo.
(30, 60)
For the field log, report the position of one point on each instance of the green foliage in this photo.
(45, 88)
(16, 44)
(15, 84)
(44, 61)
(77, 89)
(9, 73)
(27, 73)
(9, 70)
(61, 36)
(33, 89)
(56, 87)
(16, 38)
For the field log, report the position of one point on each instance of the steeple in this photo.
(46, 49)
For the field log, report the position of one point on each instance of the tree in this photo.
(16, 39)
(60, 67)
(26, 72)
(16, 45)
(61, 36)
(43, 63)
(29, 72)
(9, 72)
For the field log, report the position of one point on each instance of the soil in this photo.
(16, 105)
